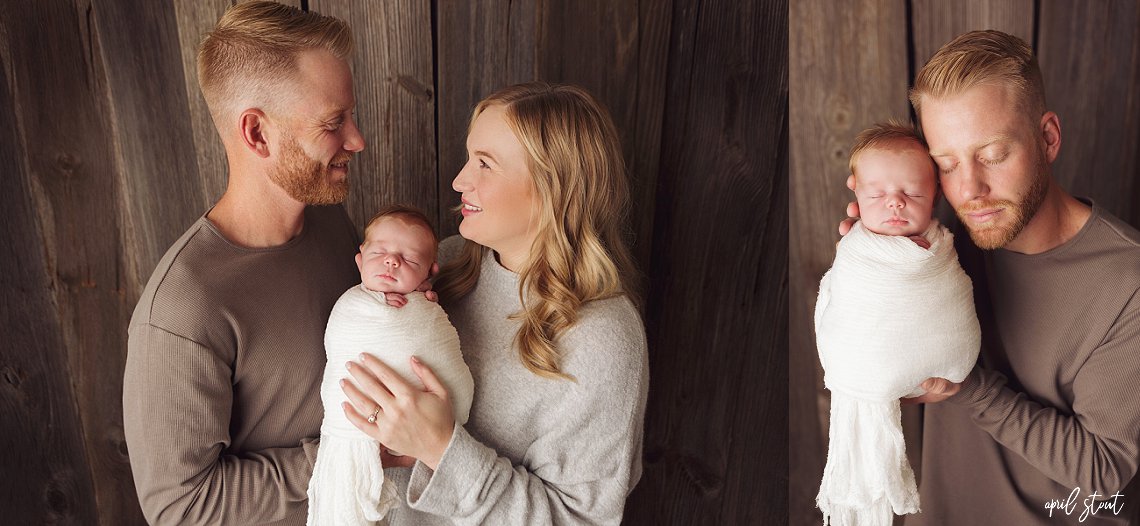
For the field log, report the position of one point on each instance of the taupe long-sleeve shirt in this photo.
(1054, 403)
(221, 400)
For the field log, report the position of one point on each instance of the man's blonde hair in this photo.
(884, 135)
(580, 253)
(983, 57)
(254, 47)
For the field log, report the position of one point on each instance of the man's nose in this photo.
(971, 184)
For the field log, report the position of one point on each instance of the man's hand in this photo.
(852, 210)
(937, 390)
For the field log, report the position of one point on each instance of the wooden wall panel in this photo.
(480, 47)
(847, 70)
(194, 19)
(1096, 93)
(936, 22)
(715, 431)
(395, 104)
(41, 447)
(150, 126)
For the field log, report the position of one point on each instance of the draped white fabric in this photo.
(348, 485)
(890, 314)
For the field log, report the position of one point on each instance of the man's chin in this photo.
(990, 238)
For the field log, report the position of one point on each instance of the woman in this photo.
(540, 293)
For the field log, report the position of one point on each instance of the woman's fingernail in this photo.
(348, 365)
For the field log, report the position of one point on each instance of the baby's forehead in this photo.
(394, 228)
(895, 162)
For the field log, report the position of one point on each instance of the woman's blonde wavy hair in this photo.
(579, 254)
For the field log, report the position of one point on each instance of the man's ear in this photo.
(1051, 133)
(253, 124)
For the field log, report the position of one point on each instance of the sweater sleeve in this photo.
(1096, 446)
(580, 469)
(177, 401)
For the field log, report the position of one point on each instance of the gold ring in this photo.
(372, 417)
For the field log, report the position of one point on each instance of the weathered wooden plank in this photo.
(599, 46)
(61, 440)
(654, 25)
(395, 101)
(150, 124)
(848, 70)
(716, 422)
(936, 22)
(1090, 59)
(194, 18)
(480, 47)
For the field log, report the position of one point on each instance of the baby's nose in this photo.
(392, 261)
(895, 202)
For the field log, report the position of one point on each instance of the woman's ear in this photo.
(253, 125)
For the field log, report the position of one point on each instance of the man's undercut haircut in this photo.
(983, 57)
(254, 49)
(882, 136)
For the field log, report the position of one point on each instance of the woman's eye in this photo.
(483, 164)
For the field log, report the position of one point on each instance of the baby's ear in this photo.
(359, 262)
(434, 270)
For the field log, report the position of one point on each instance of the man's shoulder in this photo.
(177, 284)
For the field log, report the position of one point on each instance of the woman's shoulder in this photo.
(449, 249)
(608, 331)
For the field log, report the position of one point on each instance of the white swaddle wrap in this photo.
(348, 485)
(890, 314)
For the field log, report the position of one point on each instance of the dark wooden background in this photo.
(107, 155)
(851, 64)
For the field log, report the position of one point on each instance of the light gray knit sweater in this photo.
(537, 450)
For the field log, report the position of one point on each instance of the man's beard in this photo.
(305, 179)
(992, 237)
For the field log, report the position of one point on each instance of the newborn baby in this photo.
(894, 310)
(383, 316)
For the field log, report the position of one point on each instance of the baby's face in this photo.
(396, 256)
(895, 187)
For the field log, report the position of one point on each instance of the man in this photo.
(225, 352)
(1046, 428)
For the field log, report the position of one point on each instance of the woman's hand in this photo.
(416, 423)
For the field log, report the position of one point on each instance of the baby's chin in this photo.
(395, 288)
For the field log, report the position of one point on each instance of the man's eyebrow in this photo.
(1001, 137)
(332, 114)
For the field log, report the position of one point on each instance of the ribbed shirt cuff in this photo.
(972, 390)
(461, 468)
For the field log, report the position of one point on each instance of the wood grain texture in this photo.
(71, 169)
(61, 278)
(395, 104)
(480, 47)
(1090, 61)
(598, 45)
(936, 22)
(150, 125)
(847, 70)
(195, 18)
(715, 429)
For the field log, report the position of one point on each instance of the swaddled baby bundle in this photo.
(348, 485)
(890, 314)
